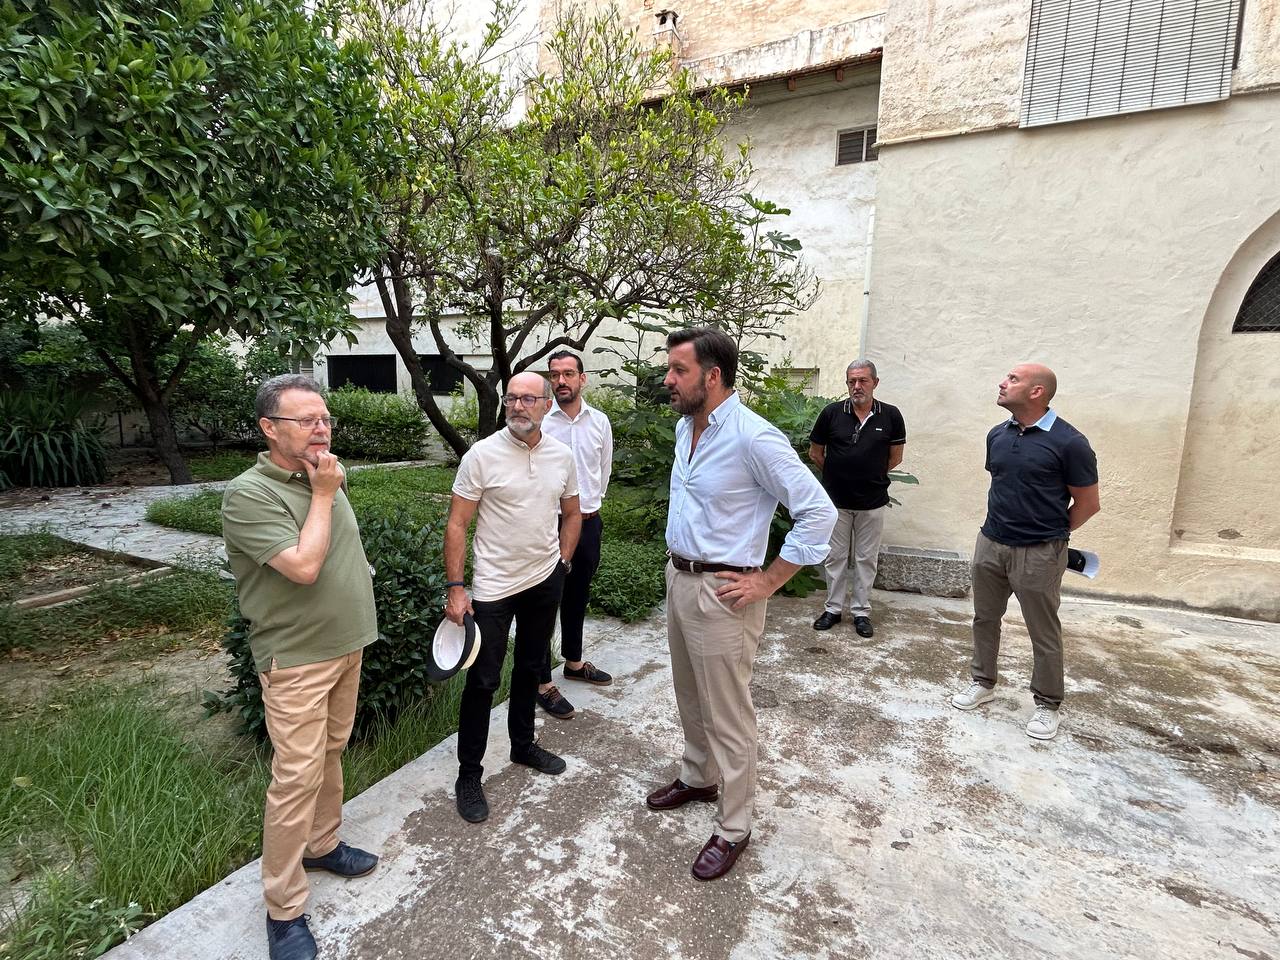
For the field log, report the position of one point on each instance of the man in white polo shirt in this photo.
(519, 485)
(588, 433)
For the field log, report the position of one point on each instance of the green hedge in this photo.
(630, 581)
(377, 426)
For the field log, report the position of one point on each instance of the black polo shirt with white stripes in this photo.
(855, 472)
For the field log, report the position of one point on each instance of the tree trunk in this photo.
(490, 406)
(165, 438)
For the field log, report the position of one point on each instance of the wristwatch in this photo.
(568, 564)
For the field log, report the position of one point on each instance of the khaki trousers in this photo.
(310, 711)
(1034, 574)
(713, 651)
(855, 553)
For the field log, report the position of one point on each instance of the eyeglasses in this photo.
(527, 400)
(310, 423)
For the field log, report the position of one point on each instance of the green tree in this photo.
(173, 171)
(611, 196)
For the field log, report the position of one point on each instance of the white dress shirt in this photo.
(590, 436)
(723, 500)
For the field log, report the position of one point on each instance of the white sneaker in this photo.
(973, 697)
(1043, 724)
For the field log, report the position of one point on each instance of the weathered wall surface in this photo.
(953, 66)
(1095, 247)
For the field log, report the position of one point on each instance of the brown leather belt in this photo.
(593, 513)
(697, 566)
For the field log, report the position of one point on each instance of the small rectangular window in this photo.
(856, 146)
(376, 372)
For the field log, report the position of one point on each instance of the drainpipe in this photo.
(866, 286)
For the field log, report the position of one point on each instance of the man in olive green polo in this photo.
(305, 587)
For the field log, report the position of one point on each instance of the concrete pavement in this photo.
(889, 824)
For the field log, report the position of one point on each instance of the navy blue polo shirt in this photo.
(855, 471)
(1031, 469)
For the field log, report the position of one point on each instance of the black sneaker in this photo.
(544, 761)
(589, 673)
(555, 704)
(472, 805)
(826, 621)
(290, 939)
(863, 626)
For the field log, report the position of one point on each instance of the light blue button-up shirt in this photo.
(723, 500)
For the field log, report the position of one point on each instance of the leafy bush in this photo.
(408, 587)
(45, 440)
(463, 413)
(198, 513)
(630, 581)
(215, 396)
(377, 426)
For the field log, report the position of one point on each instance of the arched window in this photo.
(1260, 309)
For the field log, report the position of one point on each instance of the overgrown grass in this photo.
(419, 492)
(109, 806)
(220, 464)
(121, 819)
(19, 551)
(184, 601)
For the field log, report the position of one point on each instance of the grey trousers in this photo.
(713, 652)
(850, 567)
(1034, 575)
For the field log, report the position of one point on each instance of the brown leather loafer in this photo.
(718, 857)
(678, 793)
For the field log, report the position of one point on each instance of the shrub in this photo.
(630, 581)
(45, 440)
(377, 426)
(463, 414)
(408, 587)
(198, 513)
(215, 396)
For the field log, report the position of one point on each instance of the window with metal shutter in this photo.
(1096, 58)
(1260, 308)
(856, 146)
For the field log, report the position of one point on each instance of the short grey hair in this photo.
(267, 401)
(862, 363)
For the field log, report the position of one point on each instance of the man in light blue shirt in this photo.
(732, 469)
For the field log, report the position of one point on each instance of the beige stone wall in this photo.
(1095, 247)
(954, 66)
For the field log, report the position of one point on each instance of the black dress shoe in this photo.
(544, 761)
(678, 793)
(718, 857)
(863, 626)
(590, 673)
(555, 704)
(290, 939)
(345, 861)
(472, 806)
(826, 621)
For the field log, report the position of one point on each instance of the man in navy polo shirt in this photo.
(1044, 484)
(855, 443)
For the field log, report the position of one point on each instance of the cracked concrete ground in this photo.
(888, 823)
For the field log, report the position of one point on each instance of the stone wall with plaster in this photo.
(1096, 247)
(954, 66)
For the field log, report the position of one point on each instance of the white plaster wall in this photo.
(953, 66)
(793, 151)
(1094, 247)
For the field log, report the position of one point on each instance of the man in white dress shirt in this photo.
(588, 433)
(732, 468)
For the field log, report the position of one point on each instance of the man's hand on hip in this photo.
(744, 589)
(327, 476)
(457, 604)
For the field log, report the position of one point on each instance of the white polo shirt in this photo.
(590, 437)
(517, 541)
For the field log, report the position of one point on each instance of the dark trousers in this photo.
(534, 613)
(577, 593)
(1034, 575)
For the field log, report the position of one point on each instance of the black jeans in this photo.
(534, 612)
(577, 592)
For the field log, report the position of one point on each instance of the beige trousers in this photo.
(854, 556)
(713, 651)
(310, 711)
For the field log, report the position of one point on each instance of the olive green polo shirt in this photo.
(290, 624)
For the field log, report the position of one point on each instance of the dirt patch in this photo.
(76, 567)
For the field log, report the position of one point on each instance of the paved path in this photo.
(889, 825)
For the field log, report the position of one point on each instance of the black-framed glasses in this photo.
(310, 423)
(525, 400)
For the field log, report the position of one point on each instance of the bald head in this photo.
(1027, 390)
(524, 420)
(530, 383)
